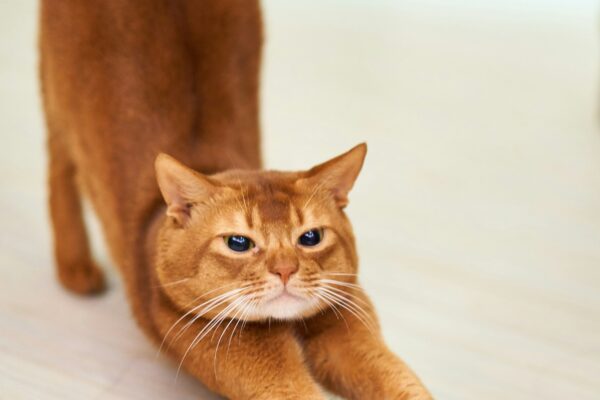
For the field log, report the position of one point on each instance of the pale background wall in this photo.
(477, 215)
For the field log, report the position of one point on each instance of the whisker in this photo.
(215, 322)
(209, 292)
(243, 196)
(347, 284)
(216, 303)
(194, 309)
(181, 319)
(313, 194)
(334, 309)
(305, 326)
(343, 292)
(245, 311)
(206, 330)
(313, 292)
(171, 283)
(247, 297)
(256, 302)
(243, 189)
(245, 301)
(339, 273)
(350, 306)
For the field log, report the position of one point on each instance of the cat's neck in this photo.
(144, 279)
(156, 219)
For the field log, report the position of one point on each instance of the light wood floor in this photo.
(477, 216)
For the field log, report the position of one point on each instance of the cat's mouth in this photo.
(285, 295)
(285, 304)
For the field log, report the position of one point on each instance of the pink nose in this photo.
(285, 270)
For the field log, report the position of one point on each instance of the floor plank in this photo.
(477, 214)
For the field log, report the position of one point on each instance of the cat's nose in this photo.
(285, 270)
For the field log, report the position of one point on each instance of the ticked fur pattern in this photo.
(152, 113)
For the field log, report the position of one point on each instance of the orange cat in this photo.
(247, 278)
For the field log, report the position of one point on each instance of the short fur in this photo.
(126, 80)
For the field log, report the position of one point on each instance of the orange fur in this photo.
(124, 81)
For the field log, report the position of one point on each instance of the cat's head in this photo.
(257, 244)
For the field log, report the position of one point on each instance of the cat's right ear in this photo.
(338, 174)
(180, 186)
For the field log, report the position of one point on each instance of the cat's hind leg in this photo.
(74, 265)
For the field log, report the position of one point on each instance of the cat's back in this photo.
(125, 80)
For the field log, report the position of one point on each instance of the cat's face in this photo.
(253, 245)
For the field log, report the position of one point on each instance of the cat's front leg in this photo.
(258, 362)
(347, 355)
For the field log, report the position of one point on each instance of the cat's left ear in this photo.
(338, 174)
(181, 187)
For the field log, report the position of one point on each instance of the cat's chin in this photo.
(287, 306)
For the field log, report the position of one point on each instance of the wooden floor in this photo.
(477, 216)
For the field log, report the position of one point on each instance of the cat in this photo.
(247, 278)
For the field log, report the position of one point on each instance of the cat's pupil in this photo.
(310, 238)
(238, 243)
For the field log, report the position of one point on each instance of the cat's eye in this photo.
(238, 243)
(311, 238)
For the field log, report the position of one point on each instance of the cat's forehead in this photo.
(272, 203)
(271, 191)
(265, 180)
(268, 199)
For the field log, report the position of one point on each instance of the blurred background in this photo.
(477, 213)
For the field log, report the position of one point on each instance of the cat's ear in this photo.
(180, 186)
(338, 174)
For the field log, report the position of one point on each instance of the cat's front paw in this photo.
(291, 396)
(416, 392)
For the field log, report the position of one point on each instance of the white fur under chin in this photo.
(285, 307)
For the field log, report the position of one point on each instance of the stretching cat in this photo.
(247, 278)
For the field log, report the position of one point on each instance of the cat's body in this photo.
(126, 80)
